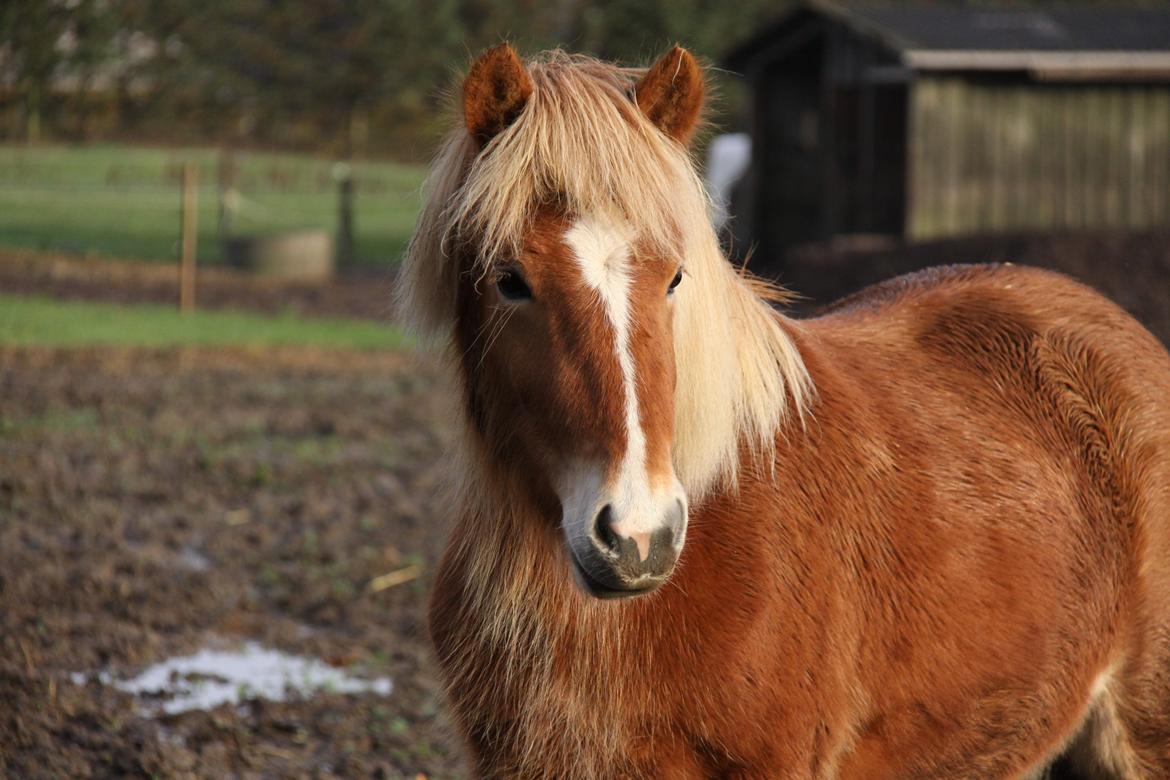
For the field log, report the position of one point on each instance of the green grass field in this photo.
(51, 322)
(124, 201)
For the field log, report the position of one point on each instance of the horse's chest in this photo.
(645, 717)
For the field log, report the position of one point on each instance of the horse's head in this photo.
(568, 348)
(614, 364)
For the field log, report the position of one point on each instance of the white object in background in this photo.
(728, 158)
(213, 677)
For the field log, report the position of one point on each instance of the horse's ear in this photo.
(495, 92)
(671, 94)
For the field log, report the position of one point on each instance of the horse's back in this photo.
(1040, 412)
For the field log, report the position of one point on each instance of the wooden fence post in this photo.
(190, 226)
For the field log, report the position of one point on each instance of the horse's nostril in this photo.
(603, 526)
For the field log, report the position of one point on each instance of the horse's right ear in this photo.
(495, 92)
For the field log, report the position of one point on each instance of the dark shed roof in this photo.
(1064, 29)
(933, 38)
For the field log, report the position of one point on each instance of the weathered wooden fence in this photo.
(1000, 156)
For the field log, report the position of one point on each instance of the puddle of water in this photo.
(213, 677)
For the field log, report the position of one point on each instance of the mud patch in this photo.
(154, 501)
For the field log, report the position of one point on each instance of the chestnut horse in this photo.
(925, 535)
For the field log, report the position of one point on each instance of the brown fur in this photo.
(956, 564)
(495, 92)
(671, 94)
(926, 587)
(557, 358)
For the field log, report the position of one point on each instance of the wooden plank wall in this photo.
(993, 157)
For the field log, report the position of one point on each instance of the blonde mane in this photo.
(582, 143)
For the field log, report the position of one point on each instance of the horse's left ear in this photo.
(671, 94)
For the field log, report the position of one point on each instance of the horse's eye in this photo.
(675, 282)
(512, 286)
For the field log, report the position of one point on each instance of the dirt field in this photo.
(154, 501)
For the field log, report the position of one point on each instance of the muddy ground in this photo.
(152, 501)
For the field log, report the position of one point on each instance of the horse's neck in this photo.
(510, 613)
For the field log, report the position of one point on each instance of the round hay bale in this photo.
(305, 255)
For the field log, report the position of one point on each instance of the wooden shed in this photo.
(926, 122)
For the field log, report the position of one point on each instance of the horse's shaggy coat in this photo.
(929, 530)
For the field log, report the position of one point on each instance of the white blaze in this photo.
(602, 249)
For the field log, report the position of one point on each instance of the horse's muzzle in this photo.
(613, 565)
